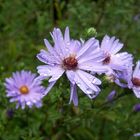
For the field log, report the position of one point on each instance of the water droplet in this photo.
(79, 84)
(68, 43)
(52, 64)
(34, 101)
(60, 54)
(28, 103)
(67, 49)
(89, 91)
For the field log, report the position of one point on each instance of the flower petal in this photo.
(94, 67)
(105, 44)
(67, 35)
(88, 47)
(51, 84)
(136, 72)
(136, 92)
(86, 85)
(73, 95)
(71, 76)
(47, 58)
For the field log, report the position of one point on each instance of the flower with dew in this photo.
(76, 59)
(119, 63)
(135, 78)
(25, 89)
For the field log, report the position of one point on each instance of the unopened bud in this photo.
(136, 108)
(111, 96)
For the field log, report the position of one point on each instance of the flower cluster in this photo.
(81, 61)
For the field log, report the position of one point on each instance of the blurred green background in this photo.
(23, 26)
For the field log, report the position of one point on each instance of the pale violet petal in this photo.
(73, 95)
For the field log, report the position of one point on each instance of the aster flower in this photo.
(75, 59)
(24, 88)
(136, 80)
(119, 63)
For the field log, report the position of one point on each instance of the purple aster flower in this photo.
(113, 59)
(24, 88)
(76, 59)
(119, 64)
(136, 80)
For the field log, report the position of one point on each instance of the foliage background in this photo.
(23, 26)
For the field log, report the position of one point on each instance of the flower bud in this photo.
(111, 96)
(136, 108)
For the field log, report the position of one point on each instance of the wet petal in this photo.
(89, 46)
(71, 76)
(51, 84)
(136, 92)
(94, 67)
(136, 72)
(73, 95)
(67, 35)
(86, 86)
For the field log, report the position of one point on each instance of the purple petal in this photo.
(71, 76)
(57, 74)
(116, 47)
(136, 91)
(54, 71)
(98, 56)
(73, 95)
(106, 43)
(89, 46)
(94, 67)
(51, 84)
(67, 35)
(47, 58)
(84, 82)
(136, 72)
(89, 80)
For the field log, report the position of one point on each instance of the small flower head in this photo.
(135, 78)
(115, 60)
(119, 63)
(24, 89)
(74, 58)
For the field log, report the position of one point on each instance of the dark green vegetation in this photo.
(23, 26)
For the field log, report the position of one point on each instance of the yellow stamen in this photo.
(24, 89)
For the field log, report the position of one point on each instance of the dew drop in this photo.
(68, 43)
(28, 103)
(67, 49)
(34, 101)
(79, 84)
(89, 91)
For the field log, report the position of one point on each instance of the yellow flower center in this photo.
(24, 89)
